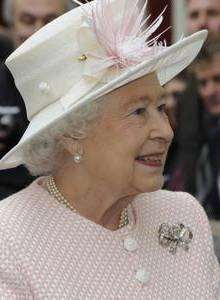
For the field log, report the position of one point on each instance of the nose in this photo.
(203, 21)
(160, 128)
(38, 25)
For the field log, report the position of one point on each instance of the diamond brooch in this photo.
(174, 236)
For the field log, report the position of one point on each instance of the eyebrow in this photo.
(133, 102)
(45, 15)
(140, 100)
(160, 95)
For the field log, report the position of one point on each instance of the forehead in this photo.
(208, 67)
(203, 4)
(175, 85)
(39, 6)
(146, 88)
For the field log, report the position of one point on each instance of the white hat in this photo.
(86, 53)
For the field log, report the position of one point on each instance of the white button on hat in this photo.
(142, 275)
(130, 244)
(44, 87)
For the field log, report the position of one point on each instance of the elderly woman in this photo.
(96, 225)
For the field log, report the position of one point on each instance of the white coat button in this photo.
(130, 244)
(142, 276)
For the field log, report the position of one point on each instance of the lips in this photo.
(152, 160)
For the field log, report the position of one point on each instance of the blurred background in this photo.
(193, 98)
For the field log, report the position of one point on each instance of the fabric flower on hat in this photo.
(113, 41)
(93, 52)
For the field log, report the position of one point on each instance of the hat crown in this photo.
(90, 44)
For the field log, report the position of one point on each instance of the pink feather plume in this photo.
(126, 40)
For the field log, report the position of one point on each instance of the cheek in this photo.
(23, 29)
(203, 92)
(192, 24)
(128, 138)
(214, 22)
(135, 141)
(116, 158)
(113, 149)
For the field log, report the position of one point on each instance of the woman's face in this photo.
(127, 150)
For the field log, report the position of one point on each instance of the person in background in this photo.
(207, 71)
(173, 91)
(200, 14)
(6, 47)
(23, 17)
(6, 44)
(203, 14)
(3, 24)
(27, 16)
(172, 96)
(13, 122)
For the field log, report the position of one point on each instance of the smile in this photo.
(154, 161)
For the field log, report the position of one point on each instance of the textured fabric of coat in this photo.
(49, 252)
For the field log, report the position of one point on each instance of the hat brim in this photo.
(167, 65)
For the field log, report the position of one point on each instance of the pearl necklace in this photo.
(53, 190)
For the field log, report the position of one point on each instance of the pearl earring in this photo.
(77, 158)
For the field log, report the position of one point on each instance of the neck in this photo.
(92, 200)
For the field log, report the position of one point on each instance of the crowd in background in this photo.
(193, 101)
(194, 108)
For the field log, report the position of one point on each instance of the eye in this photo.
(212, 13)
(140, 111)
(194, 15)
(216, 78)
(162, 108)
(202, 82)
(27, 19)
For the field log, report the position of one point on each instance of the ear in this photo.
(69, 144)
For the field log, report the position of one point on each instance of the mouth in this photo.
(155, 160)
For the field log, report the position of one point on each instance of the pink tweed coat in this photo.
(49, 252)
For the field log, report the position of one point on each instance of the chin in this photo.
(152, 184)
